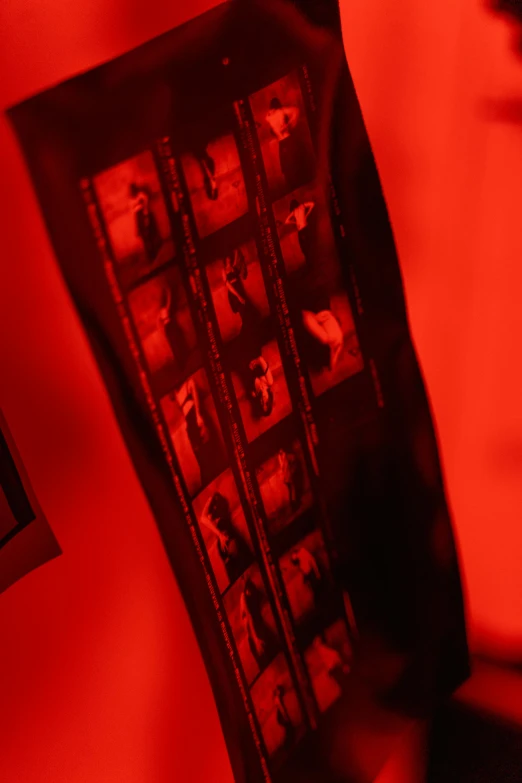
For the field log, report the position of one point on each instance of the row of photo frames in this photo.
(131, 197)
(284, 136)
(325, 643)
(162, 317)
(305, 573)
(248, 332)
(282, 477)
(250, 616)
(327, 655)
(299, 550)
(133, 208)
(130, 193)
(317, 293)
(235, 279)
(315, 288)
(327, 658)
(132, 203)
(131, 200)
(297, 543)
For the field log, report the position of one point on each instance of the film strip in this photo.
(272, 187)
(226, 400)
(182, 485)
(239, 336)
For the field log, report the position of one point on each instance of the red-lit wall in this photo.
(101, 677)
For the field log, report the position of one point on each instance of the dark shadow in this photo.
(507, 110)
(469, 747)
(511, 12)
(509, 8)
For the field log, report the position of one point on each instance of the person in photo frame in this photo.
(255, 371)
(234, 274)
(292, 476)
(295, 156)
(262, 385)
(167, 323)
(251, 613)
(207, 165)
(312, 294)
(283, 717)
(322, 325)
(197, 429)
(299, 216)
(145, 221)
(217, 517)
(302, 559)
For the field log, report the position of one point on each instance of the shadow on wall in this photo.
(506, 110)
(511, 11)
(510, 8)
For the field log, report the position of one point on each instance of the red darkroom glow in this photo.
(101, 675)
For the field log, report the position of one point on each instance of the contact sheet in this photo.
(228, 272)
(215, 208)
